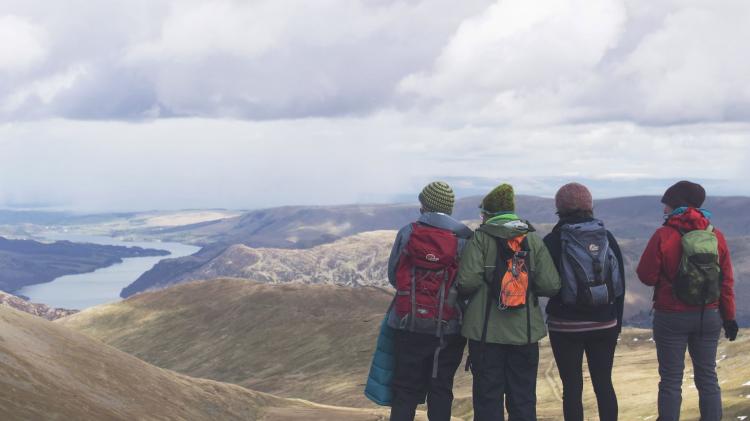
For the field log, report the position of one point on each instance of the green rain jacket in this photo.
(508, 326)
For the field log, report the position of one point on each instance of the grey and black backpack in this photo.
(589, 270)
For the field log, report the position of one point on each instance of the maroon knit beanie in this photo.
(684, 193)
(572, 197)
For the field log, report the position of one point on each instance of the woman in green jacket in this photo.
(503, 339)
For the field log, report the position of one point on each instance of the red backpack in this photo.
(424, 275)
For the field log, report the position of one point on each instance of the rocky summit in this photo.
(41, 310)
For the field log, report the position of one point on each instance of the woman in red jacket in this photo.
(678, 325)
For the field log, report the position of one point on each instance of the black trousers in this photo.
(412, 377)
(599, 346)
(504, 372)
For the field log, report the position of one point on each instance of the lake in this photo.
(103, 285)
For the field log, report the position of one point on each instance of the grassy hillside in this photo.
(315, 342)
(636, 380)
(292, 340)
(50, 372)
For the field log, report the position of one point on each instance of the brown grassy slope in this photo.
(636, 379)
(48, 372)
(230, 330)
(310, 342)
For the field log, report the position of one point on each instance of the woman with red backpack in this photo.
(425, 319)
(687, 262)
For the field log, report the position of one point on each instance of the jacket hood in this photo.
(689, 219)
(507, 226)
(445, 221)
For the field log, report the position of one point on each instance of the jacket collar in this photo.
(446, 222)
(506, 226)
(571, 220)
(688, 219)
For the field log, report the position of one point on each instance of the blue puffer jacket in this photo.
(378, 387)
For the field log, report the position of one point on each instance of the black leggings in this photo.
(599, 346)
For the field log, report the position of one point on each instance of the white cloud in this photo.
(579, 61)
(693, 67)
(171, 103)
(194, 30)
(22, 44)
(474, 62)
(188, 163)
(42, 91)
(518, 61)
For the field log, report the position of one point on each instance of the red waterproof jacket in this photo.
(661, 259)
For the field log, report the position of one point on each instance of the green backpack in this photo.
(699, 277)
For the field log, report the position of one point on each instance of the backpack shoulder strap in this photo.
(499, 265)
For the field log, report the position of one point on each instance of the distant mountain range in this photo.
(307, 226)
(28, 262)
(341, 249)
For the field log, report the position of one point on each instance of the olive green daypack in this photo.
(699, 277)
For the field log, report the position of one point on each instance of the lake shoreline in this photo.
(104, 284)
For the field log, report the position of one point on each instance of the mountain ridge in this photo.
(50, 372)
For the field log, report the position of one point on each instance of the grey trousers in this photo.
(673, 332)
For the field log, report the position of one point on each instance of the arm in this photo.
(546, 278)
(619, 301)
(649, 267)
(471, 269)
(401, 239)
(552, 242)
(726, 301)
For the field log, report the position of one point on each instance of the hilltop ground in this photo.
(319, 346)
(49, 372)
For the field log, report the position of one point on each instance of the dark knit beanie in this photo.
(500, 199)
(684, 193)
(437, 197)
(572, 197)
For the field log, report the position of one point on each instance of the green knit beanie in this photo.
(500, 199)
(437, 197)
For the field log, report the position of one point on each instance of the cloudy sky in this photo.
(145, 104)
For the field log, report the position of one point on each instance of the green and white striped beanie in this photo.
(437, 197)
